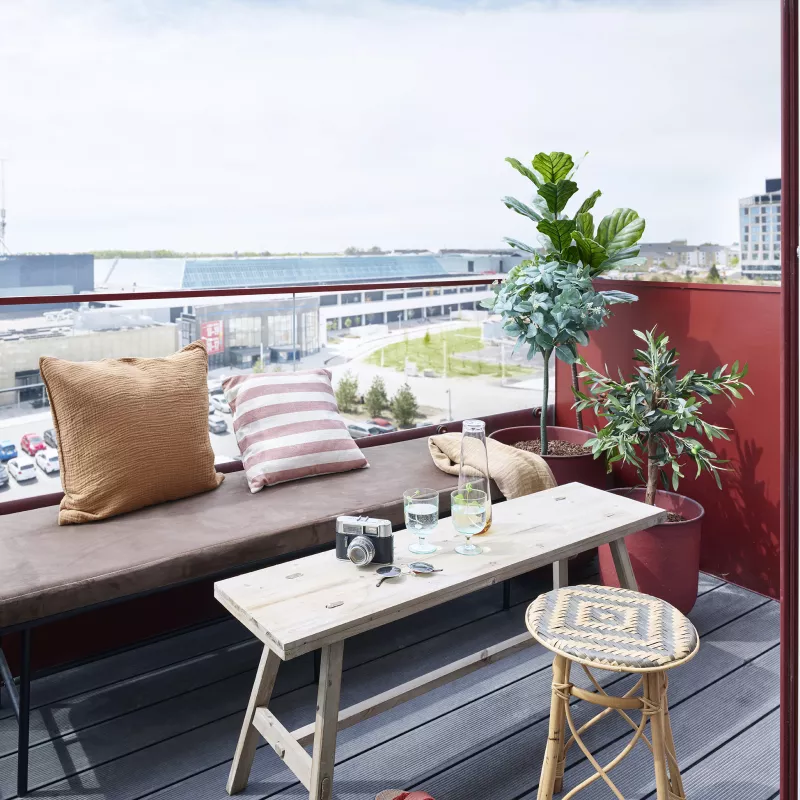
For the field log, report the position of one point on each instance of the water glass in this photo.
(468, 509)
(421, 510)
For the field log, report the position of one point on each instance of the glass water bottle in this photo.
(474, 471)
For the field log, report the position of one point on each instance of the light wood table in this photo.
(319, 601)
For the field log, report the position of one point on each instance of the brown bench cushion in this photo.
(46, 569)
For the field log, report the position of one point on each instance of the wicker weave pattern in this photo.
(612, 628)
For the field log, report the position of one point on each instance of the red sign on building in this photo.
(212, 334)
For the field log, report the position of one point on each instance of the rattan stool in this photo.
(622, 631)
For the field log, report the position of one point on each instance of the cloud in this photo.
(239, 124)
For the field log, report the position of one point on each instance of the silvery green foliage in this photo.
(548, 302)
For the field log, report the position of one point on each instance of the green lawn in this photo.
(430, 355)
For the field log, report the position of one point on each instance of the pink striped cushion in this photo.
(288, 427)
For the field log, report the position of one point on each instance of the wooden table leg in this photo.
(248, 737)
(561, 573)
(622, 563)
(327, 722)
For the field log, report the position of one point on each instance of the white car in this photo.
(47, 460)
(220, 404)
(22, 469)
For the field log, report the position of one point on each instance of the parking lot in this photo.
(225, 448)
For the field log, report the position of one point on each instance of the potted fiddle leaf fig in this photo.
(654, 421)
(549, 302)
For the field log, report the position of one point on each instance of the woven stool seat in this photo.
(615, 629)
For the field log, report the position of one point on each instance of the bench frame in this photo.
(19, 689)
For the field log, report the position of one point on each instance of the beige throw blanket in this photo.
(516, 472)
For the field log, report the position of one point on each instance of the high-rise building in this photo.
(760, 233)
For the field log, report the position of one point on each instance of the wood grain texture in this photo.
(307, 603)
(248, 737)
(326, 722)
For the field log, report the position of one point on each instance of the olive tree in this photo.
(651, 419)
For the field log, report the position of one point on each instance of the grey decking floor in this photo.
(160, 721)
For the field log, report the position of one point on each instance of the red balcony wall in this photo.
(712, 325)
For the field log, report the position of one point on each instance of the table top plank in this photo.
(304, 604)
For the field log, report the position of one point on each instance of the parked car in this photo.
(358, 430)
(47, 460)
(50, 438)
(22, 468)
(211, 408)
(220, 404)
(7, 450)
(32, 443)
(3, 475)
(383, 424)
(216, 424)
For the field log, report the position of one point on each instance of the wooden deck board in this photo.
(162, 726)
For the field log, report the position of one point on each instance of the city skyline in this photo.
(250, 126)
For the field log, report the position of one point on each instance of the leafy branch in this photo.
(651, 420)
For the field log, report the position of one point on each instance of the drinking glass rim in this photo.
(417, 494)
(456, 492)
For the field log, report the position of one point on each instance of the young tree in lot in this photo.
(376, 399)
(404, 407)
(347, 392)
(258, 366)
(426, 339)
(713, 275)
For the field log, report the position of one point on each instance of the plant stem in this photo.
(545, 393)
(576, 387)
(652, 471)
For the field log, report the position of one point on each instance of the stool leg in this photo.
(654, 685)
(558, 785)
(555, 737)
(675, 779)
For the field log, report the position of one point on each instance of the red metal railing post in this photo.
(790, 433)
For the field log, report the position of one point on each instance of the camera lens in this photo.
(361, 551)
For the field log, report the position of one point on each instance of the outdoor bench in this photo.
(49, 571)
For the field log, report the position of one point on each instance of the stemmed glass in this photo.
(421, 509)
(468, 513)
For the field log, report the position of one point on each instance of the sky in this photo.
(221, 125)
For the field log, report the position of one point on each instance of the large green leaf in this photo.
(518, 245)
(521, 208)
(592, 253)
(557, 195)
(588, 203)
(523, 170)
(585, 223)
(626, 237)
(620, 229)
(553, 167)
(559, 232)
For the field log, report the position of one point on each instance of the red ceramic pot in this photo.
(665, 558)
(583, 469)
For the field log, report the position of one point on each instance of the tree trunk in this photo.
(652, 471)
(545, 393)
(576, 387)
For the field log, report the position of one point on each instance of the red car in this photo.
(32, 443)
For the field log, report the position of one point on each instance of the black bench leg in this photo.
(24, 712)
(506, 594)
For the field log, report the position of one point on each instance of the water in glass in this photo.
(421, 507)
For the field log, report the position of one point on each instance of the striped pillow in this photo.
(288, 427)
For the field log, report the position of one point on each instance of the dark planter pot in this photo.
(583, 469)
(665, 558)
